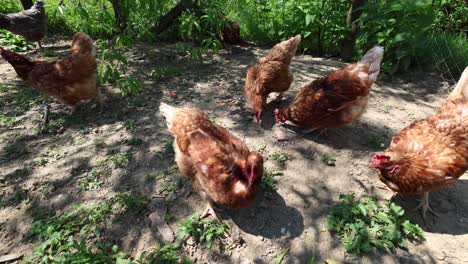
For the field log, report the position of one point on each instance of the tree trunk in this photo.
(120, 16)
(347, 47)
(26, 4)
(166, 20)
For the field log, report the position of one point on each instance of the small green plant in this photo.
(21, 194)
(167, 149)
(119, 160)
(375, 142)
(364, 224)
(268, 179)
(130, 125)
(205, 231)
(134, 141)
(7, 121)
(14, 42)
(45, 188)
(166, 254)
(91, 182)
(54, 153)
(168, 187)
(133, 203)
(74, 237)
(280, 158)
(163, 173)
(281, 256)
(165, 72)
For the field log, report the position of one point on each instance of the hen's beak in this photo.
(370, 166)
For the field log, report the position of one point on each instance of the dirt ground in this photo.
(51, 166)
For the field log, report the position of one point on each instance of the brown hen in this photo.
(220, 165)
(431, 153)
(72, 79)
(270, 74)
(337, 99)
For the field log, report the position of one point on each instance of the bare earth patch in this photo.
(90, 157)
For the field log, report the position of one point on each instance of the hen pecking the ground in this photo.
(335, 100)
(270, 74)
(431, 153)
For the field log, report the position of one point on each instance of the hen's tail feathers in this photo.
(284, 51)
(461, 89)
(168, 112)
(373, 57)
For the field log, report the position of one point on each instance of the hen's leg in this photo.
(46, 115)
(209, 211)
(424, 205)
(39, 43)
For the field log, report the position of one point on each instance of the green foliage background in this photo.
(416, 34)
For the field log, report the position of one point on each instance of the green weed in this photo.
(280, 158)
(205, 231)
(91, 182)
(133, 203)
(130, 125)
(268, 179)
(74, 237)
(119, 160)
(134, 141)
(375, 142)
(165, 72)
(168, 149)
(7, 121)
(14, 42)
(168, 187)
(365, 224)
(166, 254)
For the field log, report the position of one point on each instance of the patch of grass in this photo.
(375, 142)
(74, 237)
(165, 72)
(166, 254)
(55, 124)
(3, 88)
(133, 203)
(21, 194)
(205, 231)
(91, 182)
(130, 125)
(54, 153)
(7, 121)
(162, 174)
(15, 150)
(119, 160)
(25, 98)
(280, 158)
(40, 161)
(168, 187)
(268, 179)
(365, 224)
(134, 141)
(45, 188)
(168, 149)
(14, 42)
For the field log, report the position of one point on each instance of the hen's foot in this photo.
(209, 211)
(424, 205)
